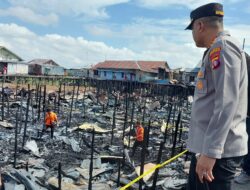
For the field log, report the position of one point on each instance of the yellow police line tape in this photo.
(153, 169)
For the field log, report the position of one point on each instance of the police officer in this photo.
(217, 134)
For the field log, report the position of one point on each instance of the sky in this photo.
(81, 33)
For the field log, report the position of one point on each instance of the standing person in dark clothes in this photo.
(244, 177)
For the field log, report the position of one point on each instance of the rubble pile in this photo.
(93, 141)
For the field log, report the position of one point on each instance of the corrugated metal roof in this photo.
(146, 66)
(192, 70)
(43, 62)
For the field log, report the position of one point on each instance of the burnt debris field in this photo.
(92, 144)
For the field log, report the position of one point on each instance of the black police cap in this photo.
(211, 9)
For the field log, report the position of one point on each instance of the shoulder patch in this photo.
(214, 57)
(199, 85)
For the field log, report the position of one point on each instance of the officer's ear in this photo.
(200, 26)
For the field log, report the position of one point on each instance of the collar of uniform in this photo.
(223, 33)
(220, 34)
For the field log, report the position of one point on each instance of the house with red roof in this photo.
(141, 71)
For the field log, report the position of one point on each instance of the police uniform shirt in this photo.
(218, 119)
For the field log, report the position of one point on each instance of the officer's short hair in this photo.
(213, 21)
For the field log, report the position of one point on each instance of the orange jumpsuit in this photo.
(50, 118)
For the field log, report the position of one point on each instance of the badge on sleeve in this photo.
(201, 73)
(199, 85)
(214, 57)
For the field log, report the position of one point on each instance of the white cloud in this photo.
(187, 3)
(27, 15)
(240, 32)
(141, 27)
(154, 39)
(164, 3)
(93, 8)
(78, 52)
(100, 30)
(176, 54)
(167, 43)
(65, 50)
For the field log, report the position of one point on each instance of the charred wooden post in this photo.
(2, 102)
(91, 160)
(143, 152)
(89, 83)
(21, 113)
(77, 92)
(113, 125)
(44, 111)
(123, 156)
(39, 102)
(157, 170)
(44, 97)
(175, 134)
(27, 166)
(108, 95)
(167, 94)
(163, 94)
(119, 173)
(8, 105)
(27, 115)
(83, 99)
(175, 102)
(183, 95)
(97, 91)
(168, 120)
(59, 176)
(37, 92)
(144, 110)
(64, 92)
(15, 148)
(67, 122)
(148, 132)
(181, 130)
(131, 122)
(59, 97)
(16, 90)
(32, 108)
(103, 108)
(71, 107)
(126, 117)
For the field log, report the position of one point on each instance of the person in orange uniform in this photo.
(50, 121)
(139, 137)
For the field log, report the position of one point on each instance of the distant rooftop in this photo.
(192, 70)
(43, 62)
(146, 66)
(8, 56)
(195, 69)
